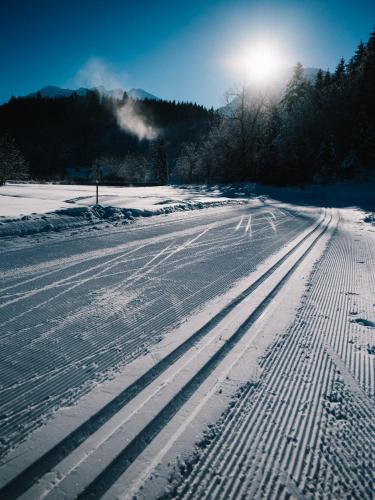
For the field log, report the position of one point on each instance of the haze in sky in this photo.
(175, 50)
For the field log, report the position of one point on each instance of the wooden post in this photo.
(97, 181)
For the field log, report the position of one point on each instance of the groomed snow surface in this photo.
(185, 343)
(28, 209)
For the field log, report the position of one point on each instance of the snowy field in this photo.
(29, 209)
(26, 199)
(222, 348)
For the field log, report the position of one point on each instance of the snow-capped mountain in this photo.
(141, 94)
(51, 92)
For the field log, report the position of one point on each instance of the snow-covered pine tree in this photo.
(296, 89)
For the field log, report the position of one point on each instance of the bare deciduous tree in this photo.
(187, 163)
(243, 124)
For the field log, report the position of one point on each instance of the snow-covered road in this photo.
(118, 348)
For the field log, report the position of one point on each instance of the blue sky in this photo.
(174, 49)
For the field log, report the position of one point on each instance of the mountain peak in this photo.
(53, 92)
(141, 94)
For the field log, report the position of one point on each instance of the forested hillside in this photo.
(57, 134)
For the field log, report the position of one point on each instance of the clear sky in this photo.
(173, 49)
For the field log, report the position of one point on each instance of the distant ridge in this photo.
(141, 94)
(53, 92)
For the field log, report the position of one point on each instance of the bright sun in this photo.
(260, 63)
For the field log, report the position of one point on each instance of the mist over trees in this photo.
(316, 131)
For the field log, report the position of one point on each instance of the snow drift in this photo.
(70, 218)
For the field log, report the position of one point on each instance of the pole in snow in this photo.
(97, 171)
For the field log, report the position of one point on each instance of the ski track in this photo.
(303, 429)
(37, 375)
(306, 428)
(98, 419)
(109, 475)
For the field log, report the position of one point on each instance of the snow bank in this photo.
(27, 209)
(70, 218)
(17, 200)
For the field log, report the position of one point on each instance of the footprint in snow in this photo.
(363, 322)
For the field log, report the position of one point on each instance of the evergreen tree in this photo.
(369, 63)
(327, 79)
(296, 89)
(340, 73)
(355, 65)
(13, 165)
(159, 161)
(319, 81)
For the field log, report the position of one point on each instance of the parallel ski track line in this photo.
(38, 340)
(290, 355)
(81, 360)
(46, 462)
(50, 373)
(68, 281)
(79, 377)
(75, 377)
(238, 431)
(257, 445)
(119, 465)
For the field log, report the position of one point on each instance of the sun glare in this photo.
(260, 63)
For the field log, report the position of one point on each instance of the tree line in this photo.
(56, 135)
(317, 131)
